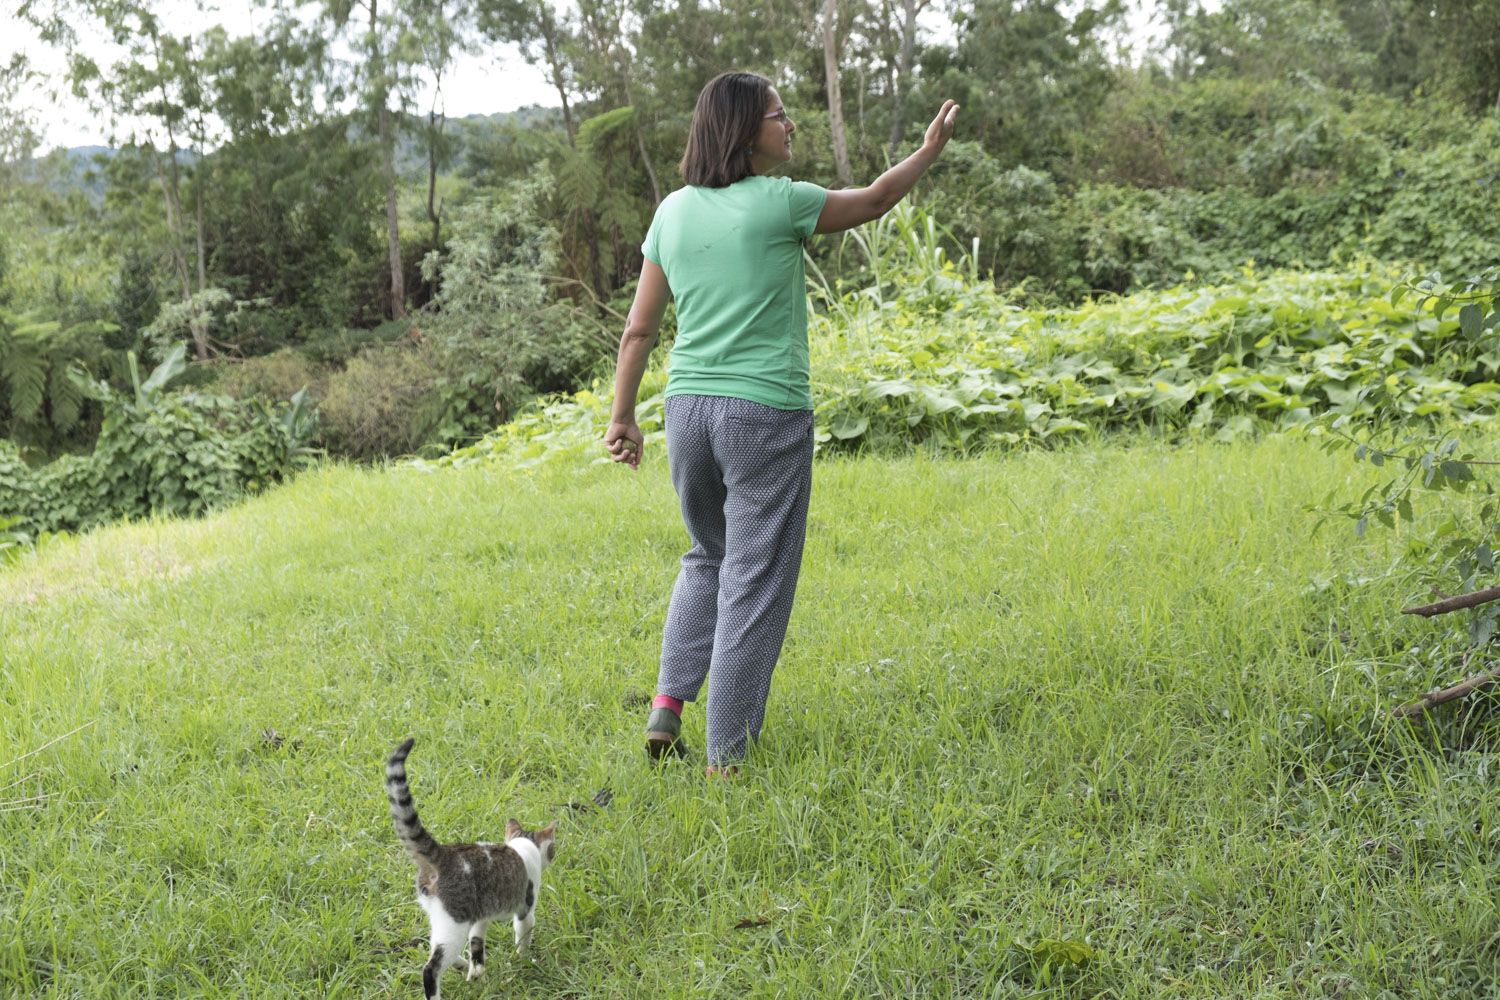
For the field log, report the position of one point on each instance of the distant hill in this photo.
(76, 168)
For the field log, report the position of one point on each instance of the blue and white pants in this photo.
(743, 473)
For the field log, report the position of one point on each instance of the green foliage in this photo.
(383, 403)
(136, 299)
(928, 356)
(1443, 205)
(41, 404)
(1291, 135)
(220, 316)
(497, 335)
(157, 453)
(13, 541)
(1452, 547)
(274, 377)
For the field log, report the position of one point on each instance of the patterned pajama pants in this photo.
(743, 473)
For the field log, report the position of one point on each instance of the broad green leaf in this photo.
(849, 425)
(1470, 319)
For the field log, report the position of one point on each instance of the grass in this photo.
(1111, 704)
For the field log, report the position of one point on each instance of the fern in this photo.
(40, 403)
(64, 397)
(25, 376)
(598, 130)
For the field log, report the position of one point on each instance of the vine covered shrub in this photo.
(157, 453)
(929, 356)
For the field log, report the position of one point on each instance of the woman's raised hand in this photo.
(941, 129)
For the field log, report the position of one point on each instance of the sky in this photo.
(483, 83)
(496, 80)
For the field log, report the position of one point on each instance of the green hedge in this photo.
(157, 453)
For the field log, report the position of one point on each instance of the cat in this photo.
(463, 887)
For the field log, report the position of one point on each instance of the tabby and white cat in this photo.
(463, 887)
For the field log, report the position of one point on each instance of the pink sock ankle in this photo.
(667, 701)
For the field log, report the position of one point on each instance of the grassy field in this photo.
(1112, 704)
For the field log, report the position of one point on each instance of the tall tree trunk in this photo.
(392, 217)
(388, 164)
(841, 167)
(174, 223)
(554, 62)
(202, 252)
(640, 143)
(171, 187)
(434, 130)
(640, 138)
(909, 11)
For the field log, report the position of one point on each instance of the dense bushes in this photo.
(492, 336)
(157, 452)
(383, 403)
(927, 355)
(1284, 181)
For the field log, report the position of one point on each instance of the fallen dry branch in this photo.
(1434, 698)
(1458, 603)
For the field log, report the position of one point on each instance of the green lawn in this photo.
(1112, 695)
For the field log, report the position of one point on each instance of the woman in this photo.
(739, 423)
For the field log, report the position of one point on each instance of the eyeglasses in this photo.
(780, 116)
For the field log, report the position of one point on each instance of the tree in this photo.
(440, 33)
(1272, 40)
(835, 97)
(390, 52)
(158, 84)
(901, 70)
(1468, 39)
(544, 37)
(18, 135)
(1035, 70)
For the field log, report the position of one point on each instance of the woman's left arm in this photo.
(624, 438)
(856, 206)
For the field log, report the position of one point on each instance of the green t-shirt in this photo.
(733, 260)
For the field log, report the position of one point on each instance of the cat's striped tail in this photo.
(419, 843)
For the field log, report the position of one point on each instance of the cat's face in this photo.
(545, 839)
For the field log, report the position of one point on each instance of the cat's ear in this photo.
(547, 832)
(513, 830)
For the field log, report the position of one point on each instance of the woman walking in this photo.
(728, 248)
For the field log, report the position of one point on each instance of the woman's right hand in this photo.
(625, 441)
(941, 129)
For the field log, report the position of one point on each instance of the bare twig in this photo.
(1458, 603)
(59, 739)
(1434, 698)
(15, 805)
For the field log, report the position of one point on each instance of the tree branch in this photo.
(1458, 603)
(1434, 698)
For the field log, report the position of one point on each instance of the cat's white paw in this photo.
(475, 971)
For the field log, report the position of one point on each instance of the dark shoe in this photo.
(662, 735)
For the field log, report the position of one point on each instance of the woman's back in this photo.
(733, 260)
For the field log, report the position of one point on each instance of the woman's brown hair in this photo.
(725, 120)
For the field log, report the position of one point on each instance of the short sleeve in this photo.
(806, 203)
(649, 248)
